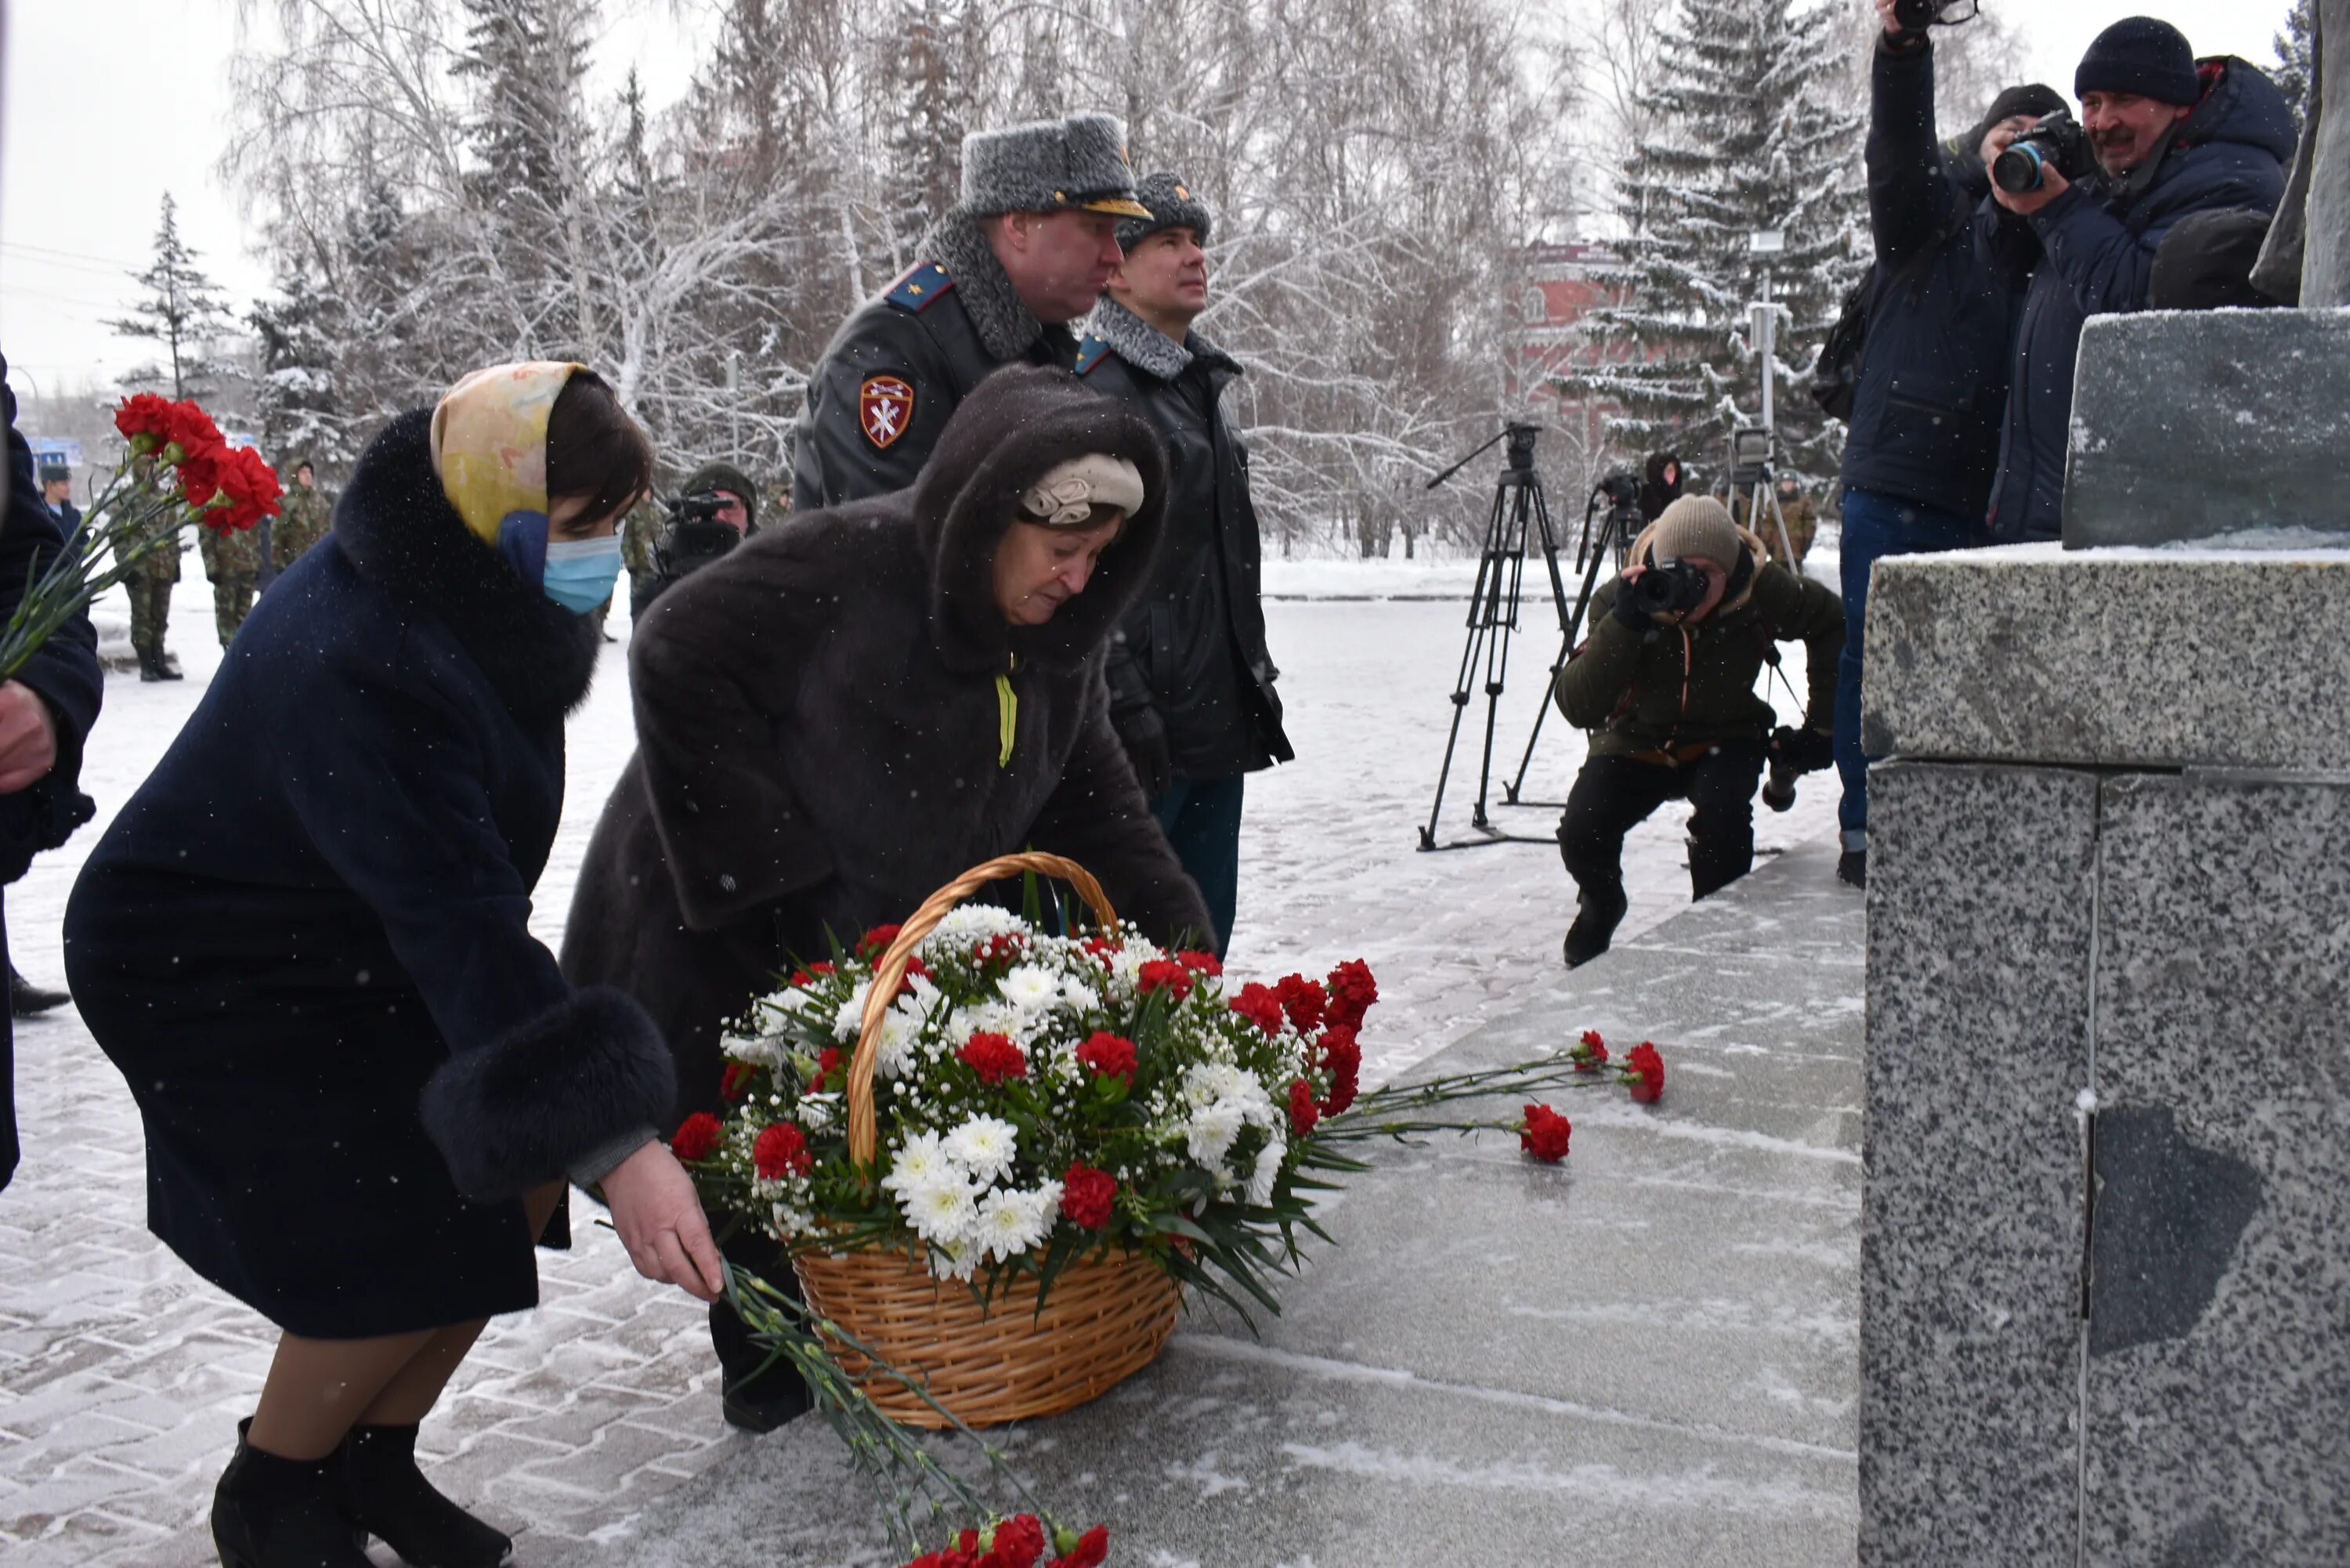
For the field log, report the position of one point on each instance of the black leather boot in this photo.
(27, 999)
(168, 665)
(385, 1494)
(149, 669)
(271, 1513)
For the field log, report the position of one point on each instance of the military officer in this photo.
(1003, 272)
(303, 520)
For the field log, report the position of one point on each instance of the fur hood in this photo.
(1756, 551)
(1150, 350)
(399, 533)
(1018, 423)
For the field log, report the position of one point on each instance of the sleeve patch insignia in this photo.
(885, 407)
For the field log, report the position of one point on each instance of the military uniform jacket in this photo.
(1193, 646)
(303, 519)
(161, 564)
(903, 363)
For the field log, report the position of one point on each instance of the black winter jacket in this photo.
(2091, 253)
(819, 726)
(1192, 649)
(901, 364)
(1933, 371)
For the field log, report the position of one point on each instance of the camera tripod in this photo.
(1610, 544)
(1519, 511)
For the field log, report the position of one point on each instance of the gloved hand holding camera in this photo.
(1801, 751)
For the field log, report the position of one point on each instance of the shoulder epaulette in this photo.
(920, 288)
(1090, 353)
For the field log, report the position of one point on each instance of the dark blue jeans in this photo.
(1875, 526)
(1202, 820)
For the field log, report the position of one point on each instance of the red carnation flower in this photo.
(1543, 1134)
(994, 1057)
(782, 1150)
(735, 1081)
(1002, 948)
(1303, 1112)
(828, 1062)
(1646, 1075)
(1164, 974)
(1590, 1052)
(248, 491)
(875, 942)
(1200, 963)
(191, 429)
(1342, 1058)
(696, 1137)
(914, 966)
(1352, 992)
(1108, 1056)
(1088, 1196)
(1303, 1001)
(1019, 1542)
(1260, 1006)
(144, 414)
(1091, 1551)
(1103, 949)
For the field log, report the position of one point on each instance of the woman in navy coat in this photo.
(304, 943)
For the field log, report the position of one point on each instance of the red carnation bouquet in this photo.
(178, 473)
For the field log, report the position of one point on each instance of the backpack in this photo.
(1835, 374)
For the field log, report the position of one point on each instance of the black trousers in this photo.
(740, 1357)
(1612, 795)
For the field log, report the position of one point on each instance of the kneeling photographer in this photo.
(716, 509)
(1664, 683)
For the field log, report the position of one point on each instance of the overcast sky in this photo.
(110, 103)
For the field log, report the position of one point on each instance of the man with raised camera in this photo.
(1190, 680)
(715, 509)
(2161, 135)
(1026, 251)
(1665, 683)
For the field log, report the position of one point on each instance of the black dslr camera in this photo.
(1917, 15)
(1669, 587)
(694, 537)
(2058, 142)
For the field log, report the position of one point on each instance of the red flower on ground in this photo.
(1200, 963)
(1646, 1073)
(994, 1057)
(1108, 1056)
(873, 943)
(696, 1137)
(1352, 992)
(781, 1150)
(1303, 1112)
(1590, 1052)
(735, 1081)
(1260, 1006)
(1091, 1551)
(1164, 974)
(1303, 1001)
(1088, 1196)
(1019, 1542)
(1543, 1134)
(1342, 1058)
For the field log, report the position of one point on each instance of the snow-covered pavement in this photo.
(121, 1376)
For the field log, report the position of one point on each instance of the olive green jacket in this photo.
(161, 564)
(303, 519)
(1674, 685)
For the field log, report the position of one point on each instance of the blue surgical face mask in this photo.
(580, 573)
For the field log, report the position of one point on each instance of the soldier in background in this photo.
(1795, 509)
(232, 559)
(638, 531)
(304, 517)
(1006, 270)
(149, 581)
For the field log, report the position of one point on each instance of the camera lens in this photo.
(2019, 168)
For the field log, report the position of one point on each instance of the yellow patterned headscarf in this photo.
(489, 443)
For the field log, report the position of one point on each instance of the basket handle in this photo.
(891, 972)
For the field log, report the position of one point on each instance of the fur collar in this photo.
(400, 534)
(1013, 426)
(1005, 324)
(1154, 353)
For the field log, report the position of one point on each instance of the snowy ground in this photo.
(121, 1376)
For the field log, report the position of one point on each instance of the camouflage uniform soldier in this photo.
(232, 561)
(1802, 524)
(638, 531)
(302, 521)
(149, 581)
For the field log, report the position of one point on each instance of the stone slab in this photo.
(1980, 901)
(2219, 1372)
(1644, 1357)
(2113, 659)
(2193, 424)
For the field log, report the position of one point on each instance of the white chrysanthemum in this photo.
(1076, 993)
(1210, 1131)
(850, 1018)
(969, 924)
(983, 1145)
(955, 1259)
(1268, 1168)
(917, 1162)
(1010, 1223)
(990, 1017)
(1205, 1083)
(818, 1112)
(1030, 987)
(760, 1052)
(941, 1209)
(1127, 963)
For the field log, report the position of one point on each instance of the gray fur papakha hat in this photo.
(1173, 205)
(1048, 166)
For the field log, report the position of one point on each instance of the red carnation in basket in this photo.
(1091, 1551)
(781, 1150)
(875, 942)
(1590, 1052)
(1088, 1196)
(1342, 1058)
(1644, 1073)
(735, 1081)
(696, 1137)
(1260, 1006)
(1164, 974)
(1004, 947)
(994, 1057)
(1109, 1055)
(1103, 949)
(1352, 992)
(1543, 1134)
(1303, 1112)
(1303, 1001)
(828, 1062)
(1200, 963)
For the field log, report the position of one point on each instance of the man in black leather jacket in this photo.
(1191, 686)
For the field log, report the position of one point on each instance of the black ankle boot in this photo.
(272, 1512)
(385, 1494)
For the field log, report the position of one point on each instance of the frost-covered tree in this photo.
(1750, 132)
(295, 405)
(2297, 58)
(180, 310)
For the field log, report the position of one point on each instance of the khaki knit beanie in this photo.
(1697, 525)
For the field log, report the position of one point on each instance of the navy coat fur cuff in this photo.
(522, 1110)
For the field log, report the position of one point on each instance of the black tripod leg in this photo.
(1497, 652)
(1565, 647)
(1482, 601)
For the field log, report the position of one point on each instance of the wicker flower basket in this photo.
(1104, 1319)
